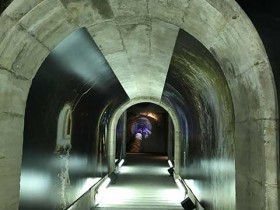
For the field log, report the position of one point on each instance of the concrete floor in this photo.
(144, 183)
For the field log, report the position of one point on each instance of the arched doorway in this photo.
(222, 27)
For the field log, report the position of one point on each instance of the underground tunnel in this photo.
(71, 85)
(147, 129)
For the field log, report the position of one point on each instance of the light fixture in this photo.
(170, 163)
(180, 185)
(171, 171)
(101, 190)
(121, 163)
(104, 184)
(113, 176)
(187, 204)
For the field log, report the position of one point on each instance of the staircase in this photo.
(143, 183)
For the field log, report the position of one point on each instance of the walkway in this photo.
(144, 183)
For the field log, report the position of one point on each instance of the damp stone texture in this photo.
(137, 38)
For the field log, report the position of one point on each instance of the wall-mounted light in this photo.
(104, 184)
(101, 190)
(187, 204)
(170, 163)
(121, 163)
(171, 171)
(113, 176)
(180, 185)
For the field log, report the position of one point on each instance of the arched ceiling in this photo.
(137, 47)
(137, 38)
(143, 54)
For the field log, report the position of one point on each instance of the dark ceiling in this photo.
(266, 6)
(265, 15)
(270, 7)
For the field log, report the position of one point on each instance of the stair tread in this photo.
(141, 186)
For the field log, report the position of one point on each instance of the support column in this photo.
(111, 149)
(170, 139)
(177, 134)
(124, 116)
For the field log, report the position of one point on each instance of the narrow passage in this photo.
(144, 183)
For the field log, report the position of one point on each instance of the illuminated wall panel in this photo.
(197, 90)
(61, 161)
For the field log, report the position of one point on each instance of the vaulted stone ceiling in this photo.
(137, 37)
(137, 46)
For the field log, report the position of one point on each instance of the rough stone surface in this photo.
(88, 12)
(143, 49)
(238, 44)
(9, 53)
(10, 159)
(107, 36)
(249, 148)
(13, 93)
(270, 130)
(6, 24)
(254, 145)
(19, 8)
(166, 11)
(9, 183)
(228, 8)
(250, 94)
(11, 141)
(25, 64)
(53, 24)
(26, 58)
(163, 38)
(271, 196)
(121, 67)
(129, 8)
(147, 56)
(203, 21)
(251, 193)
(137, 38)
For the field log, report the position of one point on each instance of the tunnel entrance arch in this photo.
(145, 130)
(221, 26)
(113, 125)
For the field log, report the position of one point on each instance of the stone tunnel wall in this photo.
(31, 29)
(58, 169)
(205, 110)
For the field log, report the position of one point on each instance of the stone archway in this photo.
(30, 30)
(113, 126)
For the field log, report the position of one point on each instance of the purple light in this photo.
(141, 126)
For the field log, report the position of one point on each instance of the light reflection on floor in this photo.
(143, 185)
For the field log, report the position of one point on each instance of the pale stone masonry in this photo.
(137, 38)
